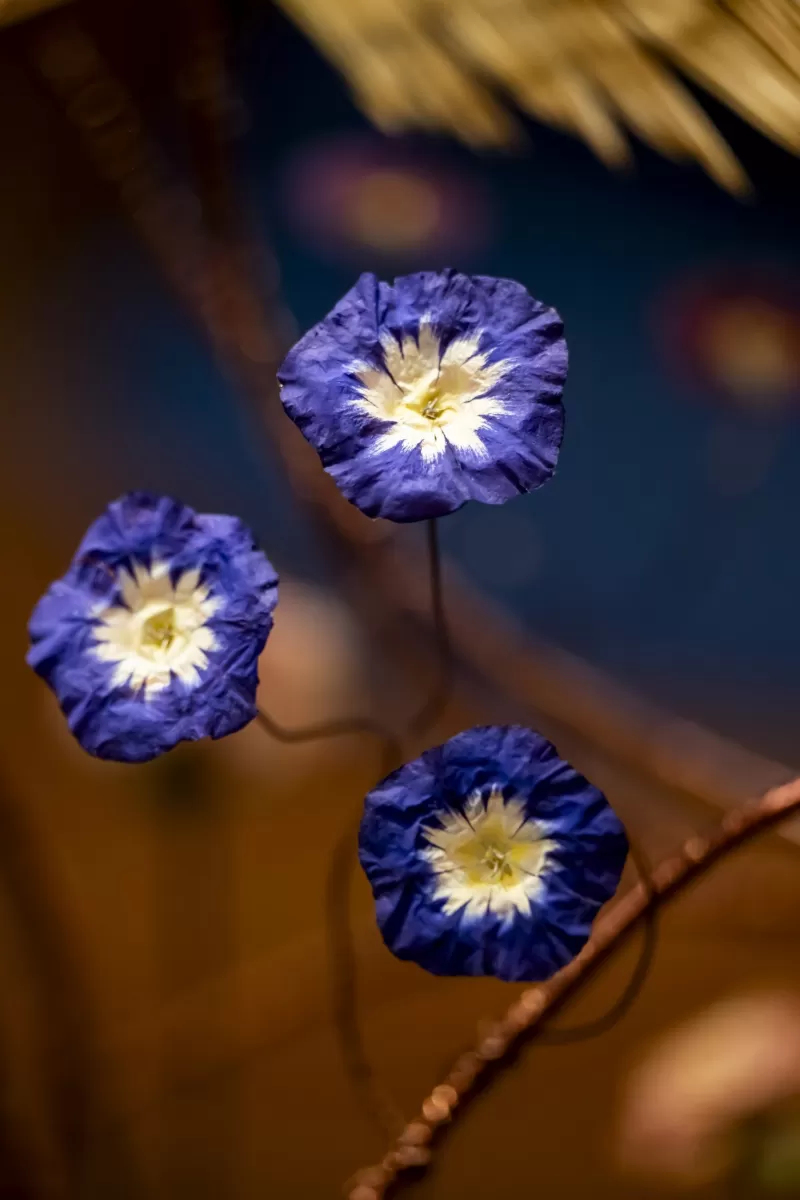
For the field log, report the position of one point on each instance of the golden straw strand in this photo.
(585, 66)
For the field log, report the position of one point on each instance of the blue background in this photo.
(634, 556)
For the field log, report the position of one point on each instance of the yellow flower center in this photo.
(490, 855)
(432, 396)
(497, 865)
(159, 630)
(425, 398)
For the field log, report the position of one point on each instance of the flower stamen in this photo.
(431, 409)
(432, 396)
(493, 857)
(159, 631)
(496, 862)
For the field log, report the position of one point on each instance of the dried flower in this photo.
(488, 855)
(152, 637)
(438, 389)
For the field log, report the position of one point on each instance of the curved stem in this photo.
(376, 1102)
(339, 727)
(435, 704)
(630, 994)
(477, 1068)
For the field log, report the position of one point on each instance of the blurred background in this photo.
(186, 186)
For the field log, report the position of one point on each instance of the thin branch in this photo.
(475, 1070)
(376, 1101)
(432, 707)
(339, 727)
(435, 705)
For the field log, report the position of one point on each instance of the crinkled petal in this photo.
(143, 547)
(502, 360)
(448, 928)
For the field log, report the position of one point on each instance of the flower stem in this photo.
(436, 702)
(339, 727)
(630, 994)
(376, 1102)
(432, 707)
(475, 1070)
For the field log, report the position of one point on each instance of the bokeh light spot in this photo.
(392, 210)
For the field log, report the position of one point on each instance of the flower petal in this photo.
(139, 652)
(489, 855)
(435, 390)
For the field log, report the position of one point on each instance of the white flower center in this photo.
(429, 397)
(490, 858)
(161, 632)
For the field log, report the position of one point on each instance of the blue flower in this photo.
(490, 856)
(153, 635)
(438, 389)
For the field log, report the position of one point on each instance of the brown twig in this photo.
(476, 1068)
(213, 274)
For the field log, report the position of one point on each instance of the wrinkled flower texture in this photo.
(153, 635)
(489, 855)
(432, 391)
